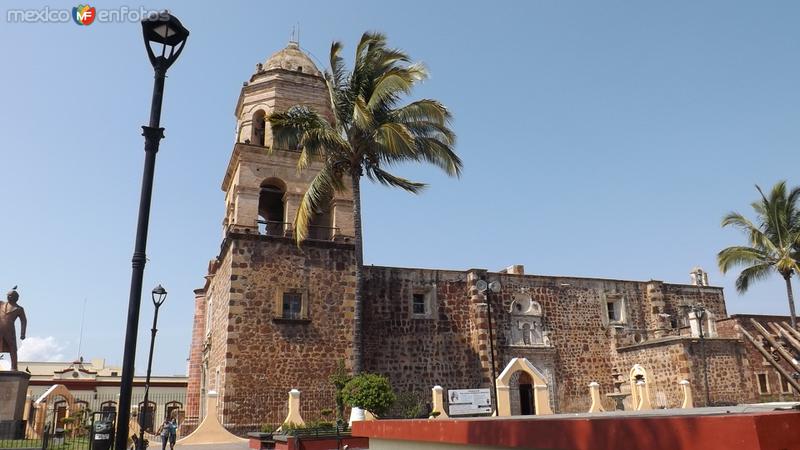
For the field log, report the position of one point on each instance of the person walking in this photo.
(168, 431)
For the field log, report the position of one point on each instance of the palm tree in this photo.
(370, 131)
(774, 241)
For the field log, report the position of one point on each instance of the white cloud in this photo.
(36, 348)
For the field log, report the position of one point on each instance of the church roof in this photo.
(292, 58)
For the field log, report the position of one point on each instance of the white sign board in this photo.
(469, 401)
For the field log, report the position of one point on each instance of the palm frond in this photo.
(394, 82)
(316, 143)
(317, 197)
(398, 142)
(423, 111)
(362, 115)
(741, 256)
(288, 127)
(375, 173)
(753, 273)
(439, 154)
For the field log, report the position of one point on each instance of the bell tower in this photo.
(262, 185)
(272, 315)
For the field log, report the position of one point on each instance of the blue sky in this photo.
(602, 139)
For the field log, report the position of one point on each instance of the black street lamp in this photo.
(164, 38)
(700, 315)
(159, 295)
(485, 289)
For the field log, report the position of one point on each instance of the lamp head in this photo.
(164, 39)
(699, 311)
(159, 295)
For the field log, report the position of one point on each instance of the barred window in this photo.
(292, 305)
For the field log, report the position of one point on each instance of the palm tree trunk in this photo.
(359, 250)
(793, 317)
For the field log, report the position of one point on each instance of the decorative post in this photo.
(293, 417)
(688, 401)
(644, 399)
(438, 403)
(594, 393)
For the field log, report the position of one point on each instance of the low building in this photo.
(95, 385)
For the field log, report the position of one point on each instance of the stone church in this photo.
(273, 316)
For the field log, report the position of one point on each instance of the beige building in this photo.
(94, 386)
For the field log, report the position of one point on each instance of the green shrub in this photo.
(269, 427)
(339, 379)
(407, 406)
(314, 425)
(369, 391)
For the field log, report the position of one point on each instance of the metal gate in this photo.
(59, 433)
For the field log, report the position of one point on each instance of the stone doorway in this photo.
(518, 373)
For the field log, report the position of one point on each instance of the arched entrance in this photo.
(526, 405)
(53, 406)
(530, 388)
(521, 394)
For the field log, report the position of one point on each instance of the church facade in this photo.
(273, 315)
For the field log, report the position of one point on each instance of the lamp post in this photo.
(485, 289)
(700, 314)
(164, 38)
(159, 295)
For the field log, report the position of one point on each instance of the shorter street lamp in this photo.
(700, 315)
(159, 295)
(485, 289)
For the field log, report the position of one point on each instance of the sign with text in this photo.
(469, 401)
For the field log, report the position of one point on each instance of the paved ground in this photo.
(241, 446)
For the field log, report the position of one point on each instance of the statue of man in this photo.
(9, 312)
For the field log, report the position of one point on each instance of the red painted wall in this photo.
(756, 431)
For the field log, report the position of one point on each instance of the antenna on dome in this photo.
(295, 36)
(80, 338)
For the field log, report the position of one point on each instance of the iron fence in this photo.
(266, 412)
(284, 229)
(66, 424)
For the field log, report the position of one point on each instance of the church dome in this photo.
(292, 58)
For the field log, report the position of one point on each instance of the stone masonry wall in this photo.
(665, 362)
(268, 355)
(730, 379)
(418, 352)
(448, 345)
(220, 294)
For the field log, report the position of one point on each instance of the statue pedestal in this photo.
(13, 390)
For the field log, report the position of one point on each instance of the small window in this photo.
(612, 313)
(113, 374)
(786, 388)
(292, 305)
(763, 383)
(418, 304)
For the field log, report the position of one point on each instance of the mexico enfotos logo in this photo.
(82, 15)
